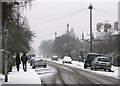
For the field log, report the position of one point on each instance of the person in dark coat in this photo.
(18, 62)
(24, 60)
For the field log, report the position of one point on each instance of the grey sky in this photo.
(45, 18)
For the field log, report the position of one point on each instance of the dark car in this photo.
(37, 62)
(30, 56)
(101, 62)
(31, 60)
(89, 58)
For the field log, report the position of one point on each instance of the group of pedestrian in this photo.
(24, 60)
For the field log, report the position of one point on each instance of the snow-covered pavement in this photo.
(21, 77)
(1, 79)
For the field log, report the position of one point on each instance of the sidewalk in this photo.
(1, 79)
(21, 77)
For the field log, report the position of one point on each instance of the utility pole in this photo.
(90, 7)
(68, 38)
(118, 28)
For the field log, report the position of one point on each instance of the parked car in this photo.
(89, 58)
(30, 56)
(31, 60)
(37, 62)
(55, 58)
(116, 60)
(67, 59)
(101, 62)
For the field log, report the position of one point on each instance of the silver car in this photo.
(101, 62)
(67, 59)
(37, 62)
(54, 58)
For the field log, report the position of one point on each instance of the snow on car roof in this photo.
(67, 57)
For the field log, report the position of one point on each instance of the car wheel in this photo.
(104, 69)
(95, 68)
(33, 67)
(45, 66)
(91, 68)
(85, 66)
(109, 70)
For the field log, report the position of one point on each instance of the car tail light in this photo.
(97, 62)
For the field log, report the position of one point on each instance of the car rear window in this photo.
(31, 55)
(104, 59)
(91, 57)
(67, 57)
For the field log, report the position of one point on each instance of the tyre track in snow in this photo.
(69, 75)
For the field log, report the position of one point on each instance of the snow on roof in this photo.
(99, 34)
(115, 33)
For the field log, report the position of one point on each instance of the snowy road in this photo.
(64, 74)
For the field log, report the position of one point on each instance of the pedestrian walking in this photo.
(18, 62)
(24, 60)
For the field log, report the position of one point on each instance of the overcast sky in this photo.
(49, 16)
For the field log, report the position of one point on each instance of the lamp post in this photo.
(90, 7)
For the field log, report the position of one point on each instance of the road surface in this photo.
(66, 75)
